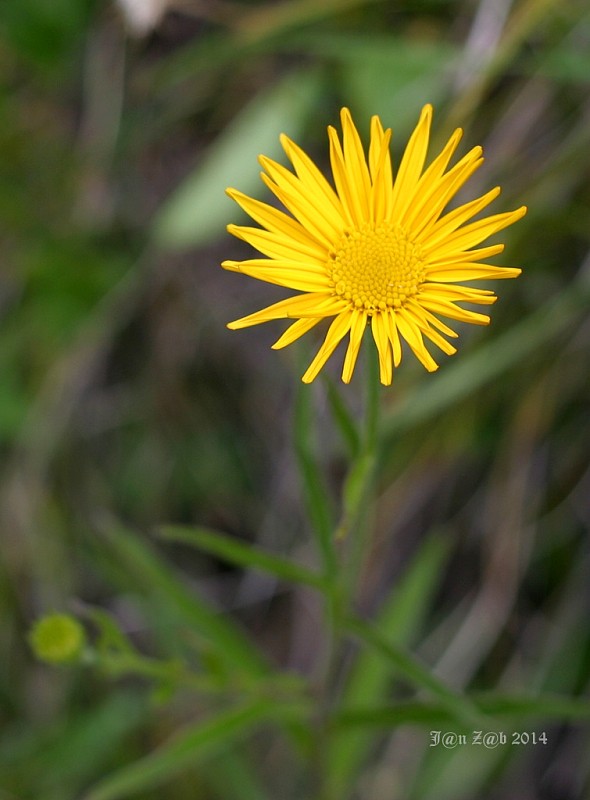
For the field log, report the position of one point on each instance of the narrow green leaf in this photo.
(413, 670)
(186, 749)
(152, 575)
(198, 211)
(243, 554)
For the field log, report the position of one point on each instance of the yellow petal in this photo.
(411, 332)
(313, 304)
(311, 192)
(303, 210)
(310, 175)
(275, 245)
(380, 335)
(470, 272)
(448, 309)
(345, 192)
(290, 275)
(411, 165)
(393, 334)
(429, 319)
(278, 222)
(435, 336)
(451, 221)
(463, 257)
(442, 192)
(294, 331)
(430, 180)
(356, 165)
(357, 328)
(379, 155)
(451, 291)
(380, 166)
(336, 332)
(439, 164)
(473, 234)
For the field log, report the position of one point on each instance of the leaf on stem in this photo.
(243, 554)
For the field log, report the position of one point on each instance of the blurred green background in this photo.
(126, 404)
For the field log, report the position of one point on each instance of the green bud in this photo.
(57, 638)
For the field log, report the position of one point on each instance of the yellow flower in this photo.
(372, 249)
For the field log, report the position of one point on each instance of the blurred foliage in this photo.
(125, 406)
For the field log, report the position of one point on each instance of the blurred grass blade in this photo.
(475, 370)
(390, 716)
(401, 616)
(185, 750)
(273, 19)
(59, 758)
(542, 707)
(152, 576)
(242, 554)
(231, 775)
(198, 211)
(356, 492)
(342, 417)
(495, 706)
(401, 661)
(255, 29)
(386, 74)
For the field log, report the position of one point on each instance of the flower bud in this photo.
(57, 638)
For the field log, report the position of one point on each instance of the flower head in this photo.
(373, 249)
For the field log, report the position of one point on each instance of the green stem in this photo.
(371, 421)
(359, 486)
(351, 535)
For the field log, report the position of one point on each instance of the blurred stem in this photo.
(173, 673)
(351, 535)
(353, 529)
(371, 422)
(316, 496)
(527, 16)
(283, 688)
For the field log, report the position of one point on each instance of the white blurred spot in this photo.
(143, 15)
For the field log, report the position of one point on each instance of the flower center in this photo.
(376, 268)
